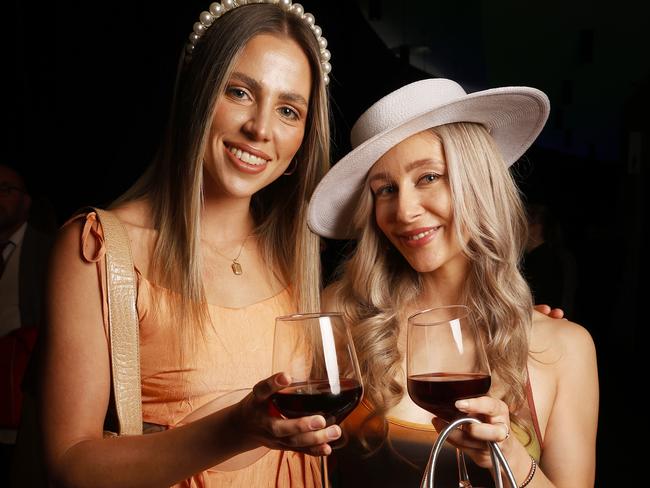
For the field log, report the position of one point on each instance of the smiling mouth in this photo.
(246, 157)
(421, 235)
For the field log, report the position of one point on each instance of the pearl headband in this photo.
(217, 9)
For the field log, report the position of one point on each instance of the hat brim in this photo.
(514, 116)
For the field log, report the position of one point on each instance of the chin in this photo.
(239, 192)
(425, 269)
(422, 266)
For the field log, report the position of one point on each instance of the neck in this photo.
(226, 219)
(444, 286)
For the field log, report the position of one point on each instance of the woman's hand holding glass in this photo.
(446, 363)
(318, 352)
(262, 424)
(471, 439)
(496, 427)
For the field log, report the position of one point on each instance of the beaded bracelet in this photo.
(531, 473)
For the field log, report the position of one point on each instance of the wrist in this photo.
(531, 473)
(237, 428)
(519, 461)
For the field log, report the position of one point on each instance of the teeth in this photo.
(247, 157)
(419, 236)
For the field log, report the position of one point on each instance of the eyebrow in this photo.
(422, 162)
(379, 176)
(256, 85)
(409, 167)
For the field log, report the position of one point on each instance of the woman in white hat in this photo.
(427, 193)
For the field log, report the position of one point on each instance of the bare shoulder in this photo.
(563, 373)
(136, 216)
(561, 340)
(564, 378)
(72, 277)
(67, 249)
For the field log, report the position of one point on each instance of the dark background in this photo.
(90, 85)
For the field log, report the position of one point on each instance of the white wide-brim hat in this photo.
(514, 117)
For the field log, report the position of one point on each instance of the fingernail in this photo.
(282, 380)
(462, 404)
(317, 423)
(333, 432)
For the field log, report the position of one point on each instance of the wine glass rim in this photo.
(308, 315)
(412, 318)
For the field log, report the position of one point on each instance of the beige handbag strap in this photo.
(123, 324)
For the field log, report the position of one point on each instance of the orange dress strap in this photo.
(92, 228)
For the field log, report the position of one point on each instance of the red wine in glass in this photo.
(437, 392)
(317, 398)
(317, 351)
(446, 362)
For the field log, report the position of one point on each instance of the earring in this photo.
(294, 161)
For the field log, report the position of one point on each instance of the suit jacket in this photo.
(33, 265)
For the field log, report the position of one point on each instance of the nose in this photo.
(258, 125)
(409, 207)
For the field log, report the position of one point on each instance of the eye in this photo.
(429, 178)
(384, 191)
(289, 113)
(237, 93)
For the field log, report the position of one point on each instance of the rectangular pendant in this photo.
(236, 268)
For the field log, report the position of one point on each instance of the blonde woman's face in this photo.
(259, 121)
(413, 205)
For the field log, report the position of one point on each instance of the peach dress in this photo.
(236, 354)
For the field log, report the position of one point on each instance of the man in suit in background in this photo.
(24, 252)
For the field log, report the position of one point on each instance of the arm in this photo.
(568, 457)
(76, 392)
(569, 454)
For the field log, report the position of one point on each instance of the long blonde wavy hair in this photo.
(376, 283)
(173, 184)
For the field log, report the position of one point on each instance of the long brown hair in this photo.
(173, 183)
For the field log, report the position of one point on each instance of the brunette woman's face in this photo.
(259, 120)
(413, 206)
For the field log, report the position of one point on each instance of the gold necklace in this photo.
(236, 265)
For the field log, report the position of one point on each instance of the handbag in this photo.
(124, 415)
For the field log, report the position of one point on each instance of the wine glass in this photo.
(446, 362)
(317, 351)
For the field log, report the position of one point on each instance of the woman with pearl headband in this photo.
(217, 226)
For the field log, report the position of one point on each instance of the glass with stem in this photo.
(446, 362)
(317, 351)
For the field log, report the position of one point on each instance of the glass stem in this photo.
(463, 477)
(323, 472)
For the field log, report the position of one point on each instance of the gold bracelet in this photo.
(531, 473)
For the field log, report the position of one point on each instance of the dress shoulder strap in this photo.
(119, 282)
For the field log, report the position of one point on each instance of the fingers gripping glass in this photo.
(317, 351)
(446, 362)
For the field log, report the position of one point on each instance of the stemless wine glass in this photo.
(446, 362)
(317, 351)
